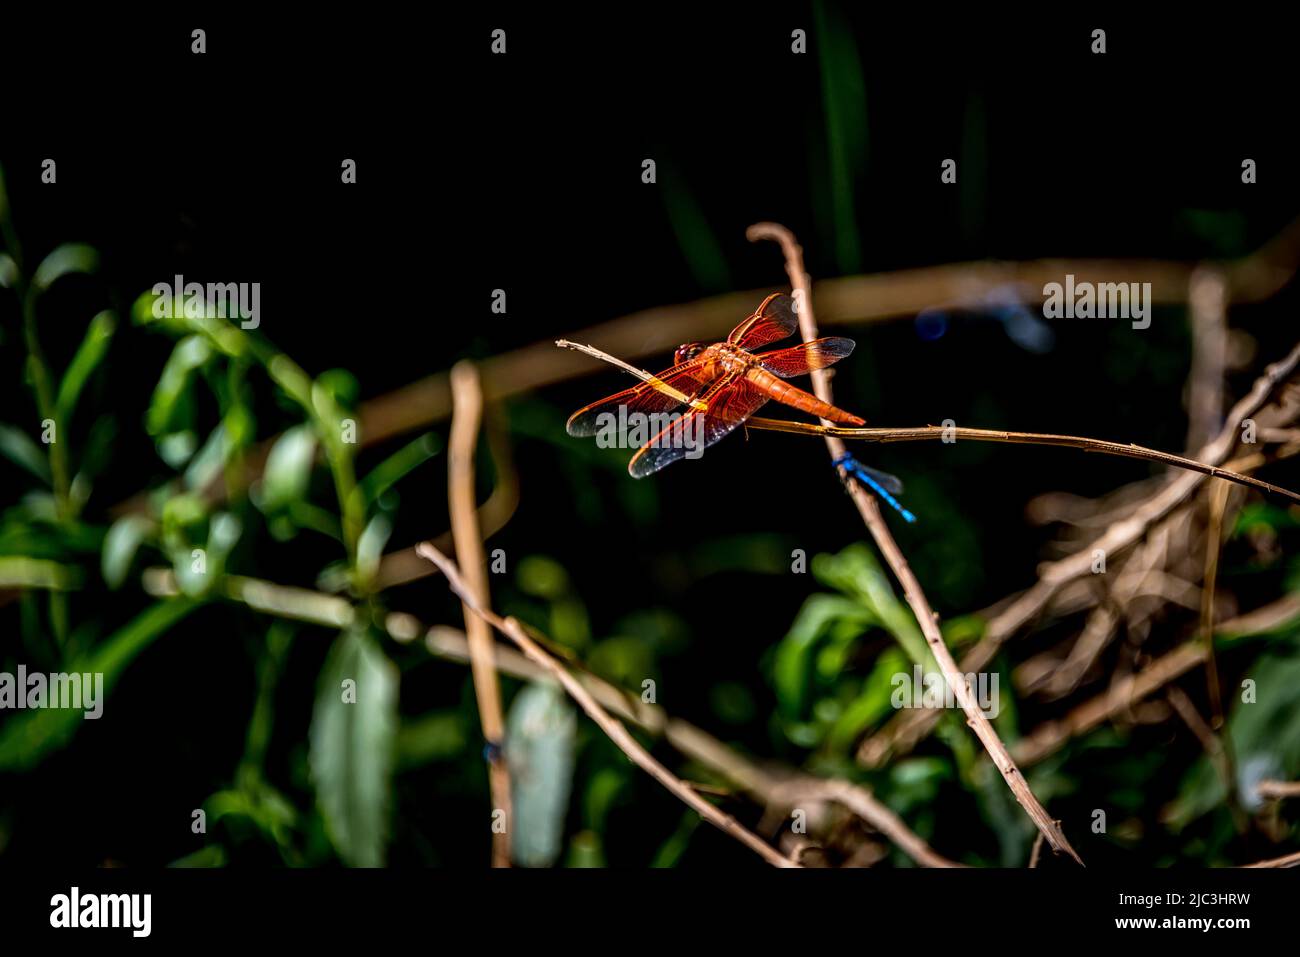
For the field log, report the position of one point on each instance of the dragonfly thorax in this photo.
(731, 358)
(714, 360)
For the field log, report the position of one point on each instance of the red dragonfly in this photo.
(725, 382)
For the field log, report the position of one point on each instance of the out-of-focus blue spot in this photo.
(1028, 331)
(931, 324)
(1023, 327)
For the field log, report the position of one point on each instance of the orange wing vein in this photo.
(802, 359)
(689, 378)
(773, 321)
(730, 401)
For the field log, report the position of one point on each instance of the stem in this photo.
(926, 617)
(43, 383)
(467, 414)
(616, 732)
(928, 432)
(949, 433)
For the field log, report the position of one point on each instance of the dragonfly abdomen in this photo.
(795, 397)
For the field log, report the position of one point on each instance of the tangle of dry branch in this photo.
(902, 733)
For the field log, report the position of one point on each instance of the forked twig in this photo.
(616, 732)
(869, 509)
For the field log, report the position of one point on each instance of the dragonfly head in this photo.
(687, 352)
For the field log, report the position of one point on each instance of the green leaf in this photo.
(122, 541)
(695, 237)
(671, 851)
(542, 577)
(288, 469)
(167, 404)
(63, 260)
(540, 737)
(370, 545)
(793, 670)
(265, 807)
(176, 448)
(24, 571)
(872, 703)
(405, 460)
(213, 855)
(97, 452)
(844, 99)
(352, 746)
(28, 738)
(204, 466)
(257, 739)
(8, 270)
(197, 575)
(342, 387)
(856, 572)
(21, 449)
(93, 348)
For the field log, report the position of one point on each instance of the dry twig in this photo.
(1289, 860)
(469, 551)
(869, 509)
(1278, 789)
(951, 433)
(616, 732)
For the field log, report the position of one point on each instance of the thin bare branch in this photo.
(1207, 298)
(869, 509)
(1289, 860)
(1037, 850)
(950, 433)
(404, 566)
(1213, 543)
(1278, 789)
(1214, 749)
(947, 433)
(468, 400)
(858, 800)
(1052, 735)
(616, 732)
